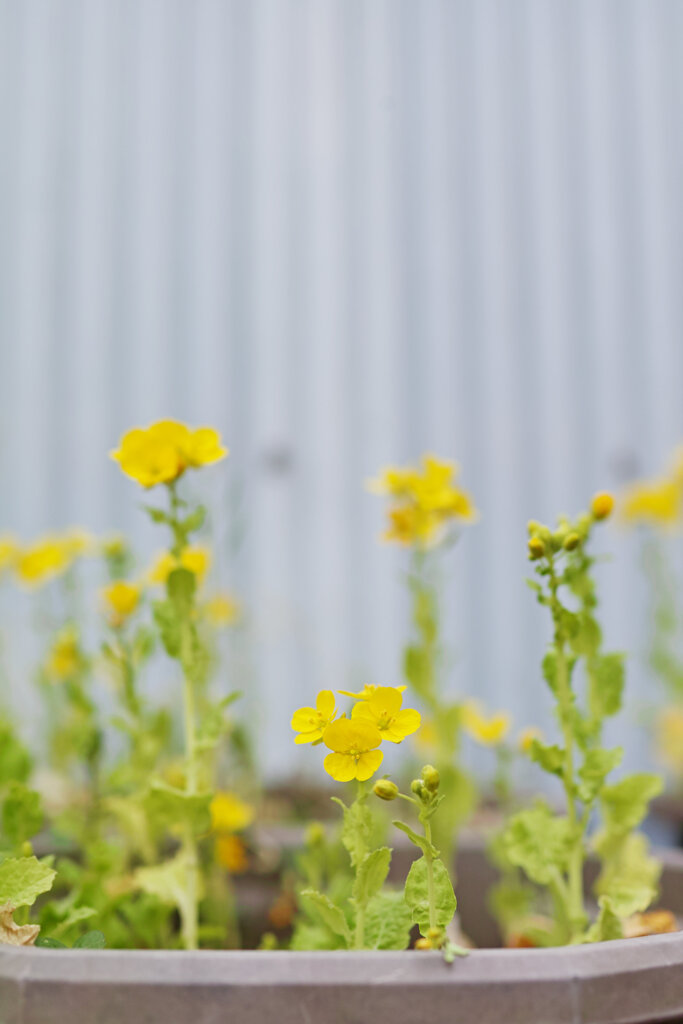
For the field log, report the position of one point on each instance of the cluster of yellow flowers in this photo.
(161, 453)
(489, 730)
(656, 502)
(230, 815)
(49, 556)
(354, 741)
(424, 501)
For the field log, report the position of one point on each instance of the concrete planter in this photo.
(626, 982)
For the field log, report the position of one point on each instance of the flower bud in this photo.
(533, 526)
(431, 778)
(571, 541)
(315, 834)
(435, 935)
(385, 789)
(602, 505)
(417, 786)
(536, 548)
(423, 944)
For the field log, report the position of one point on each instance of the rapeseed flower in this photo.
(163, 451)
(311, 723)
(196, 558)
(354, 743)
(488, 731)
(653, 502)
(383, 709)
(229, 813)
(41, 561)
(222, 610)
(120, 599)
(65, 659)
(367, 691)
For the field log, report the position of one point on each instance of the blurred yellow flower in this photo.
(427, 738)
(229, 813)
(527, 737)
(488, 731)
(65, 659)
(311, 723)
(195, 558)
(669, 739)
(41, 561)
(114, 545)
(383, 709)
(9, 549)
(231, 853)
(78, 542)
(354, 743)
(367, 691)
(222, 610)
(602, 505)
(654, 502)
(424, 500)
(120, 600)
(163, 451)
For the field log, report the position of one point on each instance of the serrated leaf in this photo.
(550, 758)
(371, 874)
(23, 879)
(597, 765)
(629, 878)
(388, 920)
(607, 926)
(538, 842)
(607, 674)
(625, 803)
(91, 940)
(331, 914)
(177, 808)
(417, 894)
(22, 814)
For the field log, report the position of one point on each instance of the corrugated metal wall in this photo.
(345, 232)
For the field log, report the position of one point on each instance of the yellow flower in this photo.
(527, 737)
(195, 558)
(121, 599)
(367, 691)
(42, 561)
(424, 500)
(229, 813)
(354, 743)
(64, 660)
(311, 723)
(383, 709)
(9, 549)
(669, 739)
(163, 451)
(222, 610)
(78, 542)
(489, 731)
(655, 502)
(231, 853)
(602, 505)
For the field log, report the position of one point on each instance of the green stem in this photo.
(575, 908)
(359, 936)
(431, 895)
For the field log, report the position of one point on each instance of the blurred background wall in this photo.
(346, 232)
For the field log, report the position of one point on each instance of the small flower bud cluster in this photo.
(544, 542)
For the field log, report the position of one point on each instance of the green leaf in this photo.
(596, 767)
(550, 758)
(47, 942)
(181, 587)
(74, 916)
(625, 804)
(539, 842)
(15, 760)
(607, 926)
(416, 838)
(195, 520)
(388, 921)
(23, 879)
(175, 807)
(214, 725)
(607, 674)
(157, 515)
(357, 828)
(167, 881)
(91, 940)
(371, 874)
(170, 628)
(510, 902)
(331, 914)
(417, 895)
(22, 814)
(629, 878)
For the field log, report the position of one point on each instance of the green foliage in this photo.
(23, 879)
(388, 921)
(177, 808)
(15, 761)
(371, 874)
(417, 895)
(625, 804)
(22, 814)
(539, 842)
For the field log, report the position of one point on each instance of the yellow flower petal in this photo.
(368, 764)
(341, 767)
